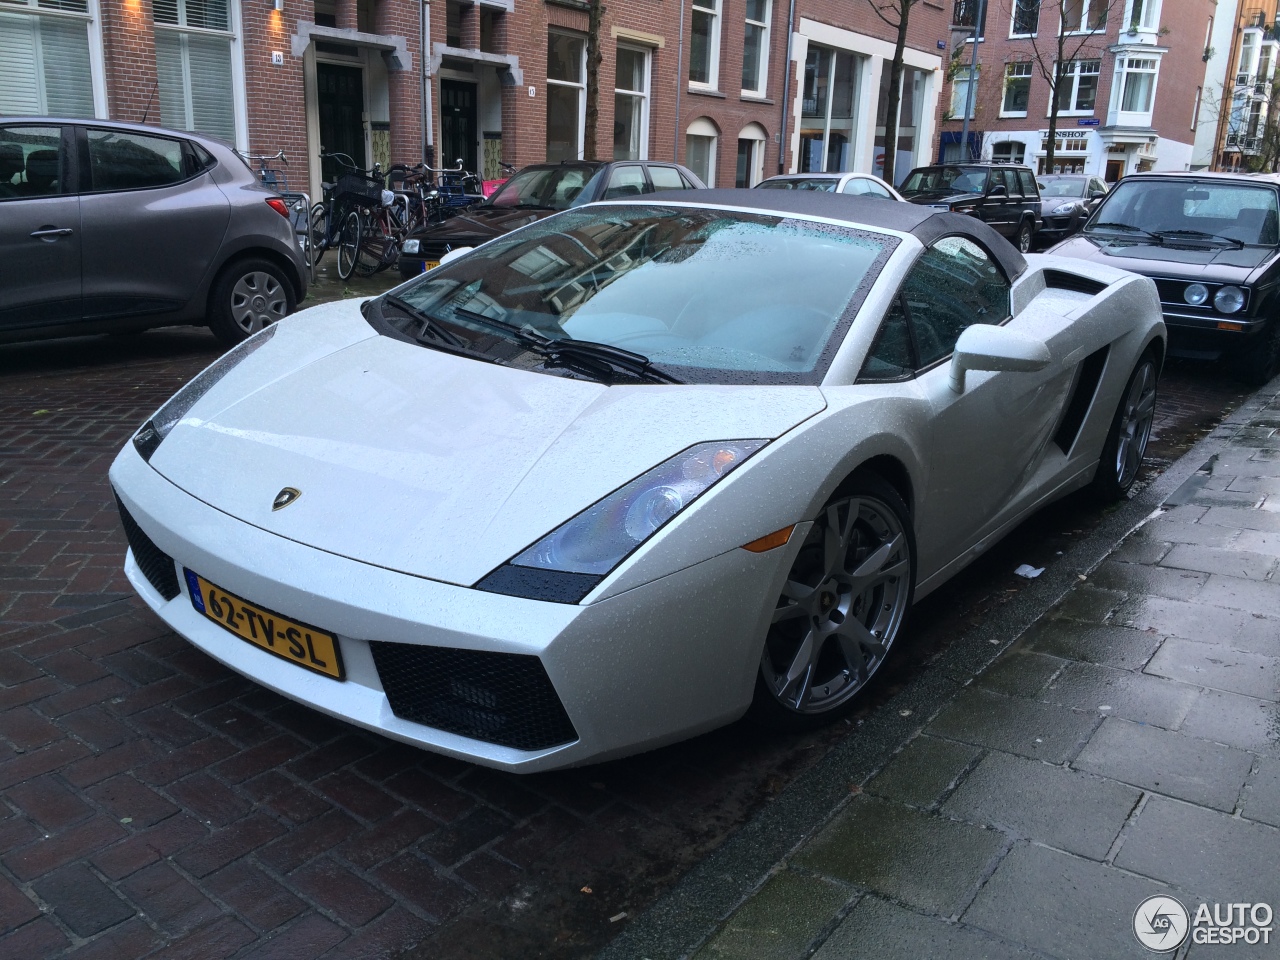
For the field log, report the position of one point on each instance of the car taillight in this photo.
(279, 206)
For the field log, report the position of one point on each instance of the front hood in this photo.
(1194, 262)
(476, 226)
(440, 466)
(947, 199)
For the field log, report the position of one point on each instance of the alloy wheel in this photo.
(258, 299)
(841, 608)
(1136, 416)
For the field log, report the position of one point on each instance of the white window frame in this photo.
(713, 9)
(1009, 75)
(759, 138)
(1123, 69)
(766, 35)
(92, 18)
(966, 75)
(580, 87)
(1013, 18)
(641, 95)
(1007, 149)
(239, 112)
(1074, 77)
(702, 127)
(1150, 10)
(1086, 8)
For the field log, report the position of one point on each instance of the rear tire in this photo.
(1022, 240)
(844, 604)
(349, 243)
(1126, 442)
(248, 295)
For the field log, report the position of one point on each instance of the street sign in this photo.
(1087, 122)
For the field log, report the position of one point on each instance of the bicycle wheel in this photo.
(349, 243)
(374, 239)
(317, 233)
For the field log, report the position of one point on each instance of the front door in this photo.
(458, 124)
(1115, 170)
(340, 97)
(40, 237)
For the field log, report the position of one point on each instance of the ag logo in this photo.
(1161, 923)
(285, 497)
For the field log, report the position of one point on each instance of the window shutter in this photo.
(171, 89)
(211, 93)
(20, 92)
(67, 83)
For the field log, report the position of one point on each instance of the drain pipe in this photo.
(428, 130)
(675, 148)
(783, 139)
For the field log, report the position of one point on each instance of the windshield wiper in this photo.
(1199, 235)
(429, 329)
(1127, 227)
(570, 352)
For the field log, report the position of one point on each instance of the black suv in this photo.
(1002, 195)
(1211, 242)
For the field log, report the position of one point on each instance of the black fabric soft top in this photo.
(925, 223)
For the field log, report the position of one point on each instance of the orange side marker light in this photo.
(770, 541)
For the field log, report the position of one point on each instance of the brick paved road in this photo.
(151, 800)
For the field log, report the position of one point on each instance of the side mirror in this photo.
(1096, 194)
(454, 254)
(984, 347)
(999, 190)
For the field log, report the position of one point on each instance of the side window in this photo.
(131, 161)
(30, 162)
(875, 190)
(953, 285)
(666, 178)
(890, 357)
(1010, 180)
(626, 181)
(1028, 184)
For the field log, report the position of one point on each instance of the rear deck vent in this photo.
(155, 564)
(502, 698)
(1061, 280)
(1086, 385)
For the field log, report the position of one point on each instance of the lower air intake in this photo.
(155, 564)
(501, 698)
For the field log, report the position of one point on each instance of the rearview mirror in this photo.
(984, 347)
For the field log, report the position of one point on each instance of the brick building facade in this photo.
(1129, 99)
(704, 82)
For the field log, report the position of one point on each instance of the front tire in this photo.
(1022, 239)
(249, 295)
(842, 608)
(1126, 442)
(1257, 365)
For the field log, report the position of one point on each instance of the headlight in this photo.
(1229, 299)
(569, 561)
(410, 246)
(1195, 294)
(166, 418)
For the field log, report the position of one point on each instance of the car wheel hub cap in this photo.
(257, 299)
(844, 599)
(1136, 417)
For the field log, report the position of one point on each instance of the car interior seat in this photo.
(42, 172)
(1253, 225)
(10, 166)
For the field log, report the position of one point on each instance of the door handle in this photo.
(51, 233)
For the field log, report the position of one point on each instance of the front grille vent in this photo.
(155, 564)
(501, 698)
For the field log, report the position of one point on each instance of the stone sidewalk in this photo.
(1127, 744)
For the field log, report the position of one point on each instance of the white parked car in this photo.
(851, 184)
(624, 474)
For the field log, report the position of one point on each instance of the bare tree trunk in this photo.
(594, 57)
(895, 96)
(1054, 106)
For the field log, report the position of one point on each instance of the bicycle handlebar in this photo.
(279, 155)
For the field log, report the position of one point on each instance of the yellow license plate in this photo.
(288, 639)
(429, 265)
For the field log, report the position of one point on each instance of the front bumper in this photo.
(649, 666)
(1201, 337)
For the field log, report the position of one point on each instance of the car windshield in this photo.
(825, 184)
(944, 181)
(707, 296)
(1061, 186)
(550, 187)
(1224, 209)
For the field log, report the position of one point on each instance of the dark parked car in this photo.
(1003, 195)
(112, 227)
(1211, 242)
(535, 192)
(1066, 202)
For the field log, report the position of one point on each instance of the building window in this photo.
(1017, 90)
(700, 150)
(704, 45)
(1195, 109)
(965, 78)
(1078, 86)
(193, 66)
(828, 110)
(1026, 18)
(965, 14)
(631, 105)
(1010, 151)
(1084, 16)
(566, 96)
(1143, 14)
(755, 47)
(1139, 84)
(750, 169)
(453, 23)
(1070, 153)
(46, 59)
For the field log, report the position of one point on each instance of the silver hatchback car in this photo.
(112, 227)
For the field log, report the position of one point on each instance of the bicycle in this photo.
(328, 225)
(299, 204)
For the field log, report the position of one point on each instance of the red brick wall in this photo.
(275, 97)
(129, 57)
